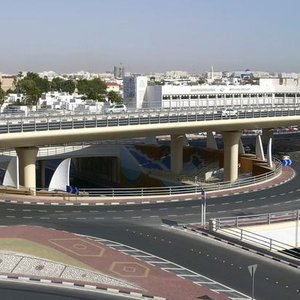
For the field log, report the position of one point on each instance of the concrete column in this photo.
(211, 141)
(267, 134)
(231, 153)
(43, 173)
(27, 159)
(176, 153)
(259, 150)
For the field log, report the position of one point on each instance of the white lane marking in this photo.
(128, 210)
(238, 201)
(146, 209)
(27, 217)
(226, 203)
(165, 208)
(136, 217)
(11, 209)
(153, 216)
(10, 216)
(179, 207)
(26, 209)
(251, 200)
(117, 218)
(42, 210)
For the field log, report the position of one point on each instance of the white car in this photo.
(229, 112)
(117, 108)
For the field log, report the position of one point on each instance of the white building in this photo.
(268, 91)
(134, 89)
(65, 101)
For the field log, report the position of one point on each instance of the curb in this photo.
(79, 285)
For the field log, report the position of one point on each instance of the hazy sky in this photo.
(149, 35)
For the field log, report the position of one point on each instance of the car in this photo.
(229, 112)
(117, 108)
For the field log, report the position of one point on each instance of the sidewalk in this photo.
(286, 175)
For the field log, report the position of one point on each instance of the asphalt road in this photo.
(140, 227)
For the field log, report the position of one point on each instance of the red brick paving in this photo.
(151, 280)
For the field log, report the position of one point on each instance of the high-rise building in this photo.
(119, 72)
(134, 89)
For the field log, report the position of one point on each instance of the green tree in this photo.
(33, 86)
(62, 85)
(113, 97)
(93, 89)
(2, 94)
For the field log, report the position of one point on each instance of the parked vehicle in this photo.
(229, 112)
(117, 108)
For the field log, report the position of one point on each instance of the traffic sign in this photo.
(286, 162)
(252, 269)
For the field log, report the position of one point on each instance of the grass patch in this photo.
(24, 246)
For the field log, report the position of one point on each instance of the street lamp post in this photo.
(203, 207)
(297, 225)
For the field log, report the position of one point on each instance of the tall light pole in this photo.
(252, 269)
(297, 225)
(203, 207)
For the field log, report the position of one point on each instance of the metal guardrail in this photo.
(259, 240)
(229, 226)
(259, 219)
(78, 121)
(176, 190)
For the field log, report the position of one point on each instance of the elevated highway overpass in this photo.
(26, 134)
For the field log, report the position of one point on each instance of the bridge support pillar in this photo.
(211, 141)
(27, 158)
(267, 134)
(176, 153)
(231, 154)
(43, 172)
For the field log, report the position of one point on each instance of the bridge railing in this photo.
(260, 241)
(178, 190)
(76, 121)
(259, 219)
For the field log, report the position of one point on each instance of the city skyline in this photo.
(71, 35)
